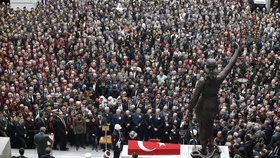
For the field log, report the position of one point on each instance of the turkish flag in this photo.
(152, 148)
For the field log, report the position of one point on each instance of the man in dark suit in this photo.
(138, 123)
(60, 128)
(41, 141)
(117, 141)
(21, 134)
(118, 118)
(148, 124)
(157, 123)
(48, 153)
(3, 125)
(275, 139)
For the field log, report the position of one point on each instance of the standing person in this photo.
(3, 125)
(79, 129)
(92, 129)
(60, 128)
(148, 125)
(167, 126)
(117, 140)
(30, 129)
(21, 134)
(127, 124)
(205, 99)
(138, 122)
(157, 123)
(40, 122)
(41, 141)
(118, 118)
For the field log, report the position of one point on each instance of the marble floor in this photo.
(72, 153)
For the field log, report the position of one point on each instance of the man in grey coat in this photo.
(41, 141)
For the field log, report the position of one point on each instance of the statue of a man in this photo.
(205, 99)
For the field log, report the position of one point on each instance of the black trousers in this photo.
(80, 140)
(21, 142)
(62, 141)
(117, 152)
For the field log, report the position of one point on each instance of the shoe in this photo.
(77, 148)
(83, 147)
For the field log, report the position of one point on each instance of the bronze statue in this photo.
(205, 99)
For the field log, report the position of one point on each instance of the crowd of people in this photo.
(74, 66)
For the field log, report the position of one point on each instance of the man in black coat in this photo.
(40, 122)
(117, 141)
(92, 130)
(21, 134)
(30, 129)
(3, 125)
(157, 123)
(148, 125)
(60, 127)
(275, 137)
(41, 141)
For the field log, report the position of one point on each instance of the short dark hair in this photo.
(21, 151)
(48, 150)
(134, 155)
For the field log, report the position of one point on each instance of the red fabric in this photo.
(152, 148)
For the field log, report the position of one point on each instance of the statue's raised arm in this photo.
(222, 75)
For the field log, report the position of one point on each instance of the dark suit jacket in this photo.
(115, 138)
(20, 130)
(59, 126)
(274, 139)
(41, 141)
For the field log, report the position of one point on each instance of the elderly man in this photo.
(41, 141)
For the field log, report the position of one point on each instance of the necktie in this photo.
(62, 120)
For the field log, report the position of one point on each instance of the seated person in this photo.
(48, 153)
(21, 153)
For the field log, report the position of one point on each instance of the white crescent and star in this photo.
(142, 147)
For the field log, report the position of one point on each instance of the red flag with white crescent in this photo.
(152, 148)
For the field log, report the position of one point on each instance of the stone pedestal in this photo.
(5, 147)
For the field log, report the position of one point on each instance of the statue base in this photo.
(214, 153)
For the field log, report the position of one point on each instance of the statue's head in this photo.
(211, 68)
